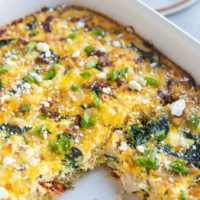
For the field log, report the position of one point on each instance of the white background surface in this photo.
(189, 19)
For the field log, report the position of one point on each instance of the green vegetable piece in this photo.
(13, 129)
(194, 120)
(152, 81)
(1, 85)
(148, 160)
(182, 195)
(98, 32)
(25, 108)
(39, 129)
(75, 87)
(30, 78)
(43, 116)
(140, 134)
(4, 68)
(63, 144)
(91, 62)
(72, 36)
(5, 42)
(89, 49)
(93, 119)
(160, 135)
(71, 160)
(88, 120)
(179, 167)
(97, 101)
(113, 75)
(30, 47)
(85, 75)
(112, 158)
(50, 74)
(123, 72)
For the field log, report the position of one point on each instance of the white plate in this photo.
(167, 7)
(168, 38)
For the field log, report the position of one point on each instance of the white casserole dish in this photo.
(169, 39)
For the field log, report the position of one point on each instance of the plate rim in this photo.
(175, 7)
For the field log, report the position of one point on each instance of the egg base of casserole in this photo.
(78, 90)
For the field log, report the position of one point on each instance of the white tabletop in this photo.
(189, 20)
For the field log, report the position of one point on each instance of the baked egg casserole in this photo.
(78, 90)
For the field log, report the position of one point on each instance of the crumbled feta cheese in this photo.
(69, 40)
(27, 85)
(80, 24)
(102, 49)
(35, 161)
(76, 127)
(140, 148)
(45, 104)
(101, 75)
(106, 90)
(42, 46)
(36, 76)
(141, 80)
(133, 85)
(123, 146)
(166, 163)
(143, 186)
(177, 107)
(47, 54)
(116, 43)
(8, 161)
(153, 65)
(76, 54)
(120, 35)
(3, 193)
(81, 63)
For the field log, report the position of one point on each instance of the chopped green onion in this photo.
(25, 108)
(97, 101)
(122, 72)
(85, 75)
(99, 32)
(179, 167)
(148, 160)
(39, 129)
(72, 36)
(182, 195)
(160, 135)
(4, 68)
(114, 75)
(63, 144)
(30, 78)
(50, 74)
(152, 81)
(30, 47)
(43, 116)
(89, 49)
(75, 87)
(88, 120)
(91, 62)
